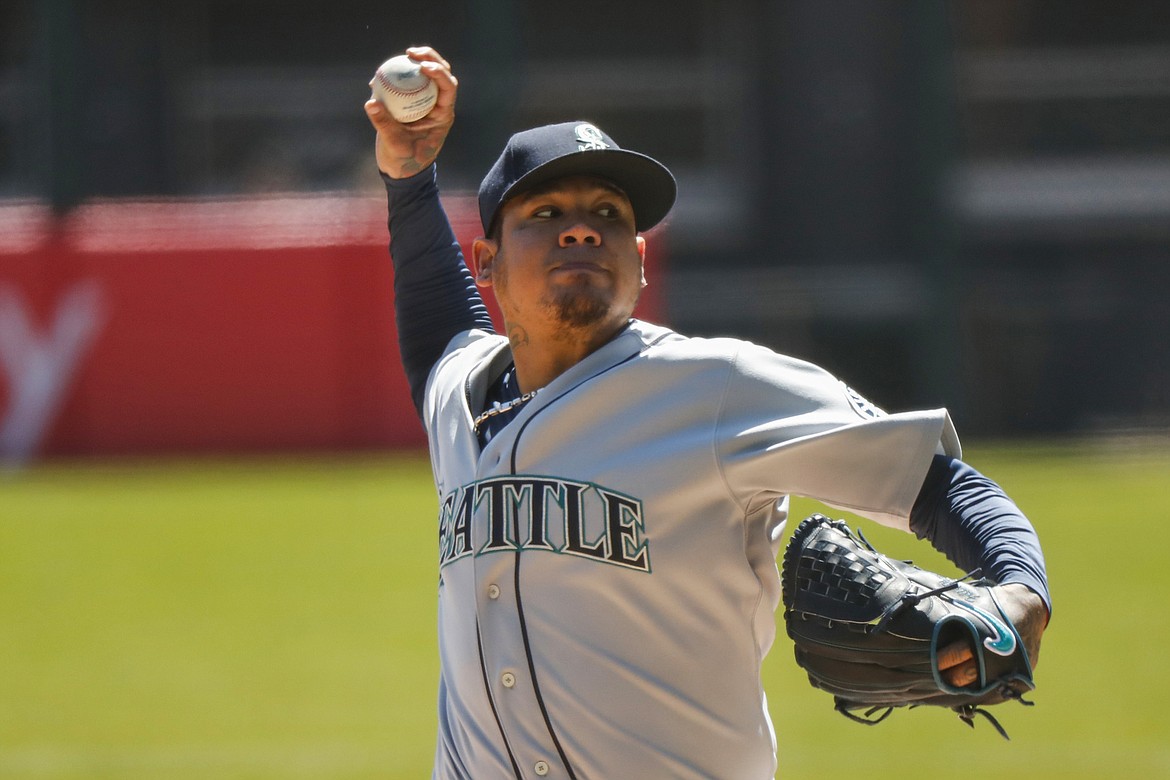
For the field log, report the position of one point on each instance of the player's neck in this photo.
(541, 358)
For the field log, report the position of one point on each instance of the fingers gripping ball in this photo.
(404, 89)
(868, 628)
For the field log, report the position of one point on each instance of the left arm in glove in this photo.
(968, 517)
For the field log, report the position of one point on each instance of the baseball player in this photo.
(612, 494)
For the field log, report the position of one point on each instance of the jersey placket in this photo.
(508, 670)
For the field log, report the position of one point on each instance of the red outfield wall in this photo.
(217, 326)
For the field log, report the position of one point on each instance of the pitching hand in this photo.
(405, 149)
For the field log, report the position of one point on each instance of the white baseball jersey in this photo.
(608, 576)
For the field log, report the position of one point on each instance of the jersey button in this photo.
(493, 591)
(541, 768)
(508, 679)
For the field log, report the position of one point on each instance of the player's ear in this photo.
(483, 255)
(641, 244)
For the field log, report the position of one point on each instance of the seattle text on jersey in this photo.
(543, 513)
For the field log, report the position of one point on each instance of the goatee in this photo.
(580, 307)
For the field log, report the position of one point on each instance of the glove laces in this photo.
(966, 712)
(912, 598)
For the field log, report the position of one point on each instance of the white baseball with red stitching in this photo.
(404, 89)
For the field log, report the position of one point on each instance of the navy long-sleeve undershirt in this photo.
(968, 517)
(435, 297)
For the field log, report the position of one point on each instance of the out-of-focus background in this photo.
(961, 203)
(216, 516)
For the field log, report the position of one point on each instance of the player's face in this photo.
(568, 254)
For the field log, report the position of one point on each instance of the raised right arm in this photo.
(434, 294)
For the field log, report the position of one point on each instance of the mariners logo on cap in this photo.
(589, 137)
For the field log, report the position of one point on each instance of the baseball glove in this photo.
(868, 628)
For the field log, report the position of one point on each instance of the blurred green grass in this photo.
(217, 619)
(274, 618)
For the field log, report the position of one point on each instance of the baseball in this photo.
(404, 89)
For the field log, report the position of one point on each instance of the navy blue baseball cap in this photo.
(539, 155)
